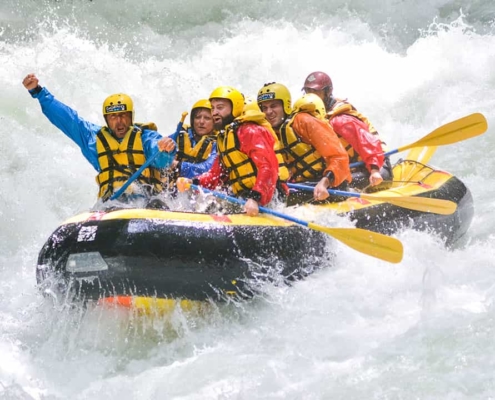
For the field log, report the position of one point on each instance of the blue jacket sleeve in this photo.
(150, 139)
(191, 170)
(82, 132)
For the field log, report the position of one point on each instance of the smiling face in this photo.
(202, 122)
(221, 111)
(274, 111)
(119, 123)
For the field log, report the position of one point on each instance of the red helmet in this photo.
(318, 81)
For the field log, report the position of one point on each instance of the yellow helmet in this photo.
(250, 105)
(251, 110)
(203, 103)
(275, 91)
(229, 93)
(311, 103)
(116, 103)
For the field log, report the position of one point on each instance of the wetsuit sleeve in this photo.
(82, 132)
(190, 170)
(320, 135)
(150, 139)
(356, 133)
(257, 143)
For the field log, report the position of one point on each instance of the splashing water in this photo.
(361, 329)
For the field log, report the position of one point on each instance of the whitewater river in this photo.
(359, 329)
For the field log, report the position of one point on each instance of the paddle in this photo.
(425, 204)
(453, 132)
(421, 154)
(371, 243)
(134, 176)
(148, 162)
(179, 126)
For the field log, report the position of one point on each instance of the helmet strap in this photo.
(330, 101)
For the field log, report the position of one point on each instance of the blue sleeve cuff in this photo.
(164, 159)
(34, 92)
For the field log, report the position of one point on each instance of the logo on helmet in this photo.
(266, 96)
(311, 78)
(115, 108)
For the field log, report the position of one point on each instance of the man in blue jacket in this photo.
(117, 150)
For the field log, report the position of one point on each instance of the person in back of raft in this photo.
(358, 136)
(310, 147)
(115, 151)
(246, 160)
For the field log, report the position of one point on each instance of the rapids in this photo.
(362, 329)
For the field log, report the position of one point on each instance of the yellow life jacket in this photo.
(242, 171)
(197, 153)
(304, 162)
(258, 117)
(147, 125)
(119, 160)
(342, 106)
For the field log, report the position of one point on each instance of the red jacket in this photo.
(257, 143)
(356, 133)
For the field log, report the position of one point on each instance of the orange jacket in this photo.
(319, 134)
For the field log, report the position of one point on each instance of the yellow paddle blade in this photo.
(421, 154)
(453, 132)
(367, 242)
(425, 204)
(371, 243)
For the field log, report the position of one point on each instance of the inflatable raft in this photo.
(412, 178)
(143, 253)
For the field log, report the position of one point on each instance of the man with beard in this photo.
(246, 159)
